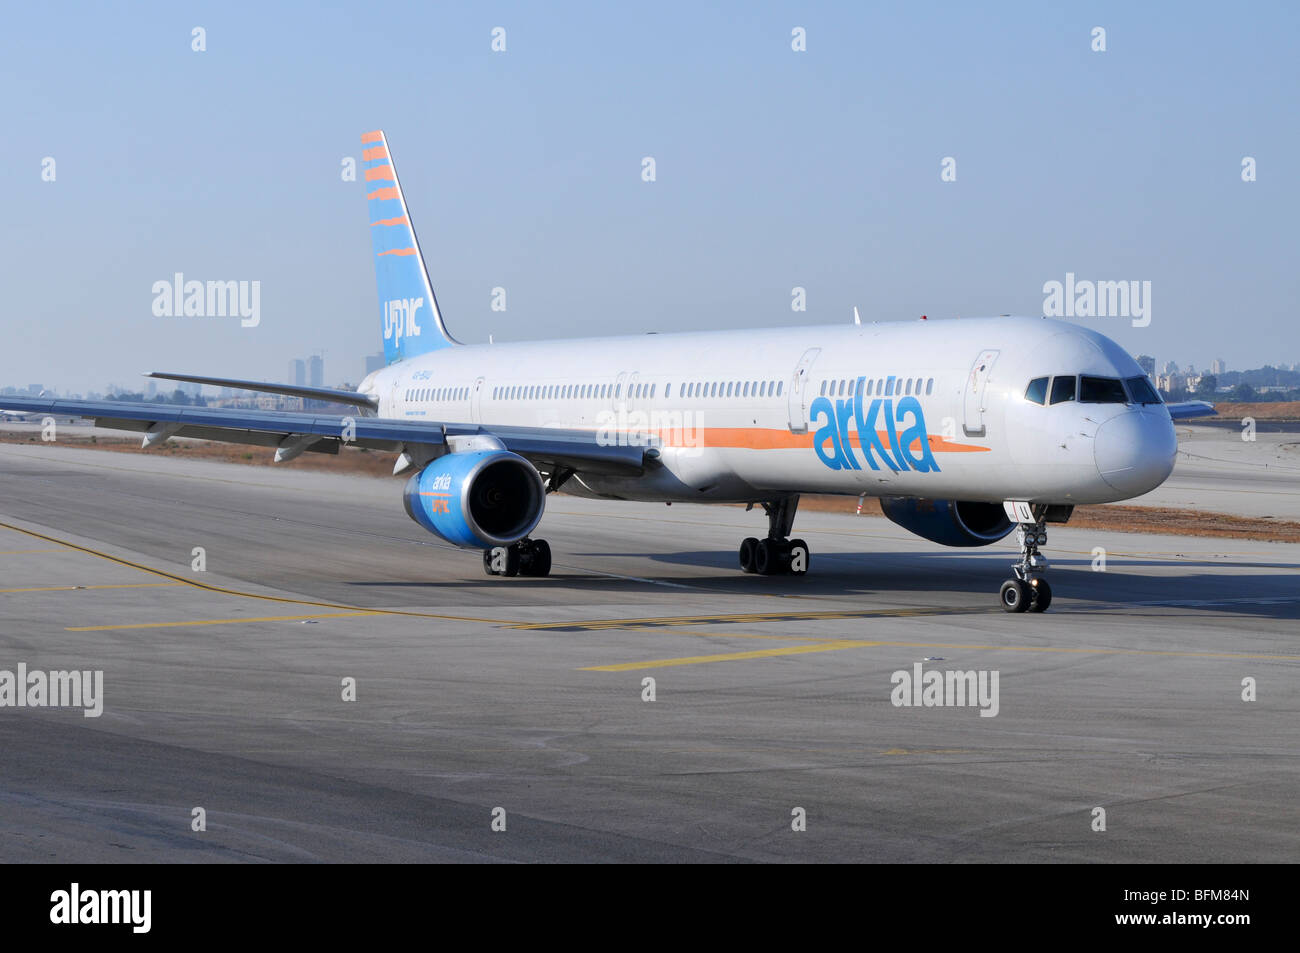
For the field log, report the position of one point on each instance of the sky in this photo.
(775, 169)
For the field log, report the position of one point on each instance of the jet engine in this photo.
(477, 499)
(949, 522)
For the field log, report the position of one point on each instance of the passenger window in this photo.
(929, 387)
(652, 390)
(1062, 389)
(1101, 390)
(780, 386)
(1037, 390)
(823, 388)
(909, 386)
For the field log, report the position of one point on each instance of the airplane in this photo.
(966, 429)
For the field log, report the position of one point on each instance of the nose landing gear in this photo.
(1028, 591)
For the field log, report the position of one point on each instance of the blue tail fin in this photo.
(411, 320)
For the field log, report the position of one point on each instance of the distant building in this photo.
(297, 373)
(1171, 367)
(1217, 366)
(316, 371)
(152, 391)
(1148, 365)
(35, 389)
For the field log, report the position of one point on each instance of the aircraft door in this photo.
(797, 391)
(476, 399)
(977, 382)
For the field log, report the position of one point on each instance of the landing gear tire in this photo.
(777, 555)
(1014, 596)
(528, 557)
(800, 557)
(501, 560)
(1040, 595)
(748, 554)
(535, 560)
(1029, 591)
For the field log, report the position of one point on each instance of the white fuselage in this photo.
(933, 409)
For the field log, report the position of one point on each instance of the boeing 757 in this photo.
(967, 430)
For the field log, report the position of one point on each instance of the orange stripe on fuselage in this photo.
(376, 136)
(386, 193)
(760, 438)
(400, 220)
(378, 152)
(380, 172)
(398, 251)
(757, 438)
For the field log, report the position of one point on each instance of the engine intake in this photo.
(949, 522)
(477, 499)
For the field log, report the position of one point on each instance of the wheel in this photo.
(1040, 595)
(748, 548)
(501, 561)
(766, 560)
(800, 557)
(1014, 595)
(541, 561)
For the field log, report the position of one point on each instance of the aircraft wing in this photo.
(1187, 409)
(547, 448)
(328, 394)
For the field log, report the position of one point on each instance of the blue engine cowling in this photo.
(949, 522)
(478, 499)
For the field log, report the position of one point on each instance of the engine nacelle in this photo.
(477, 499)
(949, 522)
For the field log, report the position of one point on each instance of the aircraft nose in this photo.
(1135, 451)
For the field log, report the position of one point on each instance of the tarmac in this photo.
(227, 605)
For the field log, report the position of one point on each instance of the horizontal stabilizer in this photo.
(288, 390)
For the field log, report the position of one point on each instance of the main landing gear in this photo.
(528, 557)
(1028, 591)
(776, 555)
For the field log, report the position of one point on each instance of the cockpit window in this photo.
(1062, 389)
(1141, 391)
(1101, 390)
(1037, 390)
